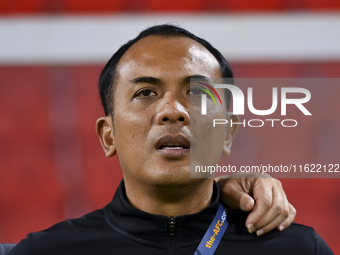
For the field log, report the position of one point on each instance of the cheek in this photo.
(209, 139)
(131, 129)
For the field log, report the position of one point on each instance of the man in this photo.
(158, 208)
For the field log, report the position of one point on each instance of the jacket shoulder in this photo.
(296, 239)
(79, 230)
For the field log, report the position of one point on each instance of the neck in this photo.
(170, 200)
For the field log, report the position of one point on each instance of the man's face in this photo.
(152, 107)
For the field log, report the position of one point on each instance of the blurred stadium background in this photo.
(51, 53)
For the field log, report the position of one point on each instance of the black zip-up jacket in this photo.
(119, 228)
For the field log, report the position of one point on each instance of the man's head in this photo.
(108, 77)
(152, 135)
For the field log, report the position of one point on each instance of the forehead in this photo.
(162, 56)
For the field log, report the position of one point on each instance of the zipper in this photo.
(171, 231)
(172, 225)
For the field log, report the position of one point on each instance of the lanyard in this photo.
(214, 234)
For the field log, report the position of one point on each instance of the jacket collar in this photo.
(145, 227)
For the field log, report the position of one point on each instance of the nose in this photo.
(173, 111)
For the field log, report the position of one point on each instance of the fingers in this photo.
(277, 213)
(271, 210)
(264, 197)
(258, 218)
(282, 222)
(286, 223)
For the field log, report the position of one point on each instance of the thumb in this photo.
(234, 196)
(246, 202)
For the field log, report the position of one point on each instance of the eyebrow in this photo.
(197, 76)
(157, 81)
(146, 79)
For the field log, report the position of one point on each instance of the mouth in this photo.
(173, 146)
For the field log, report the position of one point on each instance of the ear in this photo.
(104, 129)
(231, 132)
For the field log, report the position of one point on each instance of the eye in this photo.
(145, 93)
(196, 91)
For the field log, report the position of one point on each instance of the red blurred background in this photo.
(51, 163)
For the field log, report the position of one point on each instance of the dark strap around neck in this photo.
(214, 234)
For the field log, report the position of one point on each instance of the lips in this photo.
(173, 146)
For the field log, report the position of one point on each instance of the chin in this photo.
(172, 177)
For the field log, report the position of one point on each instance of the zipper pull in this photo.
(172, 226)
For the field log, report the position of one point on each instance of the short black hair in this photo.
(109, 75)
